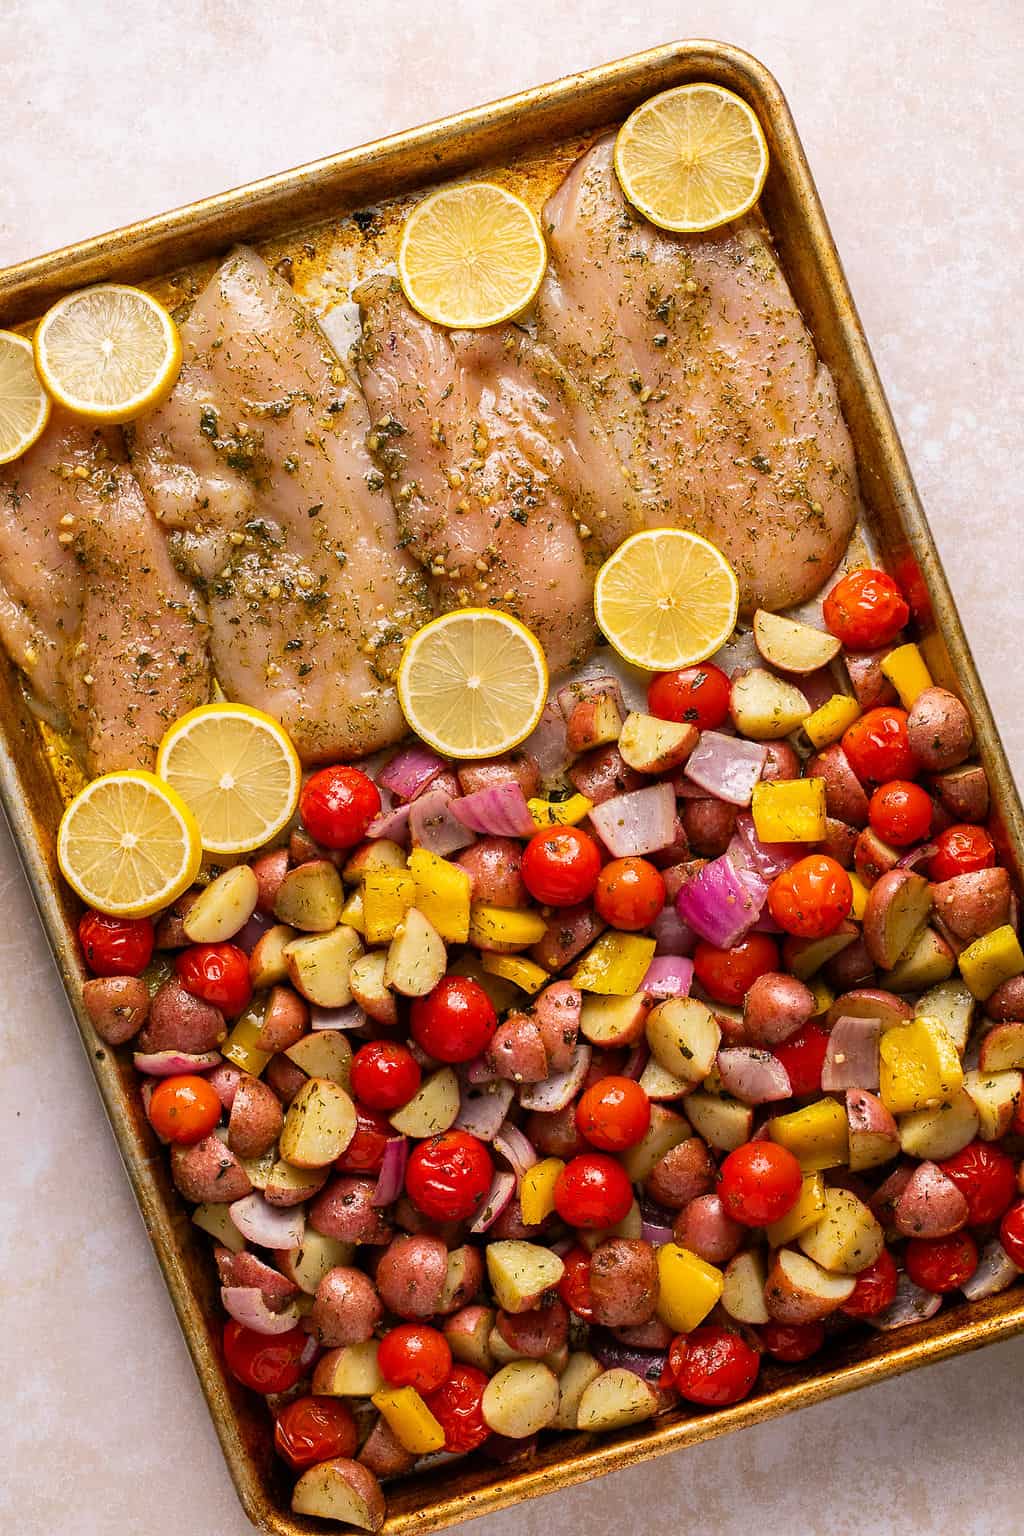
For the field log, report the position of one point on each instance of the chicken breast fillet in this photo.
(503, 479)
(110, 637)
(706, 379)
(258, 469)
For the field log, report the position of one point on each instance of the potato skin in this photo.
(651, 1335)
(209, 1173)
(602, 774)
(269, 869)
(472, 1276)
(556, 1012)
(246, 1269)
(623, 1282)
(845, 798)
(511, 768)
(964, 792)
(939, 730)
(411, 1275)
(870, 685)
(775, 1007)
(256, 1118)
(180, 1022)
(224, 1081)
(707, 1230)
(556, 1135)
(344, 1210)
(930, 1204)
(117, 1006)
(681, 1174)
(346, 1309)
(839, 842)
(284, 1077)
(1007, 1001)
(285, 1020)
(973, 904)
(510, 1226)
(170, 930)
(852, 967)
(538, 1332)
(517, 1050)
(383, 1453)
(873, 858)
(782, 762)
(570, 930)
(709, 826)
(493, 865)
(356, 1477)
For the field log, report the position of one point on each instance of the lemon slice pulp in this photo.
(108, 353)
(667, 598)
(24, 403)
(473, 683)
(128, 845)
(236, 770)
(692, 158)
(471, 255)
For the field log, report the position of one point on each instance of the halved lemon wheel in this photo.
(108, 353)
(692, 158)
(667, 598)
(236, 770)
(128, 844)
(471, 255)
(24, 403)
(473, 683)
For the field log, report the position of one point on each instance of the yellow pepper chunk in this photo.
(789, 810)
(387, 896)
(860, 895)
(537, 1191)
(352, 913)
(906, 670)
(919, 1067)
(240, 1047)
(410, 1420)
(817, 1135)
(991, 960)
(830, 721)
(809, 1208)
(443, 893)
(688, 1287)
(504, 925)
(559, 813)
(525, 974)
(615, 965)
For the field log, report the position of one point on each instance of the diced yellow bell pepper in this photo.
(502, 993)
(410, 1420)
(523, 973)
(352, 913)
(789, 810)
(991, 960)
(387, 896)
(919, 1067)
(860, 895)
(504, 925)
(688, 1287)
(559, 813)
(810, 1206)
(816, 1135)
(906, 670)
(443, 892)
(240, 1047)
(537, 1191)
(830, 721)
(615, 965)
(824, 997)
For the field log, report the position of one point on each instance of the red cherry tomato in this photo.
(759, 1183)
(313, 1429)
(365, 1152)
(385, 1075)
(413, 1355)
(219, 974)
(941, 1264)
(792, 1342)
(713, 1365)
(1011, 1233)
(455, 1022)
(901, 813)
(115, 946)
(728, 974)
(447, 1177)
(865, 610)
(614, 1114)
(985, 1176)
(593, 1191)
(265, 1362)
(457, 1408)
(694, 695)
(337, 805)
(961, 850)
(874, 1288)
(812, 898)
(803, 1056)
(574, 1286)
(560, 867)
(184, 1109)
(629, 894)
(878, 748)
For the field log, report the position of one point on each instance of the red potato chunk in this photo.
(871, 687)
(839, 842)
(556, 1011)
(782, 761)
(852, 967)
(117, 1006)
(930, 1204)
(570, 930)
(517, 1050)
(556, 1135)
(384, 1454)
(873, 858)
(707, 1230)
(493, 865)
(411, 1276)
(256, 1118)
(513, 768)
(464, 1277)
(845, 798)
(285, 1020)
(683, 1173)
(346, 1309)
(224, 1081)
(651, 1335)
(345, 1210)
(246, 1269)
(180, 1022)
(972, 905)
(1007, 1001)
(963, 792)
(939, 730)
(269, 869)
(284, 1077)
(170, 929)
(623, 1282)
(603, 774)
(775, 1007)
(536, 1333)
(708, 825)
(209, 1173)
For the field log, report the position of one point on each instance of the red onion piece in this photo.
(268, 1226)
(851, 1057)
(555, 1092)
(500, 810)
(722, 903)
(726, 767)
(766, 859)
(635, 1062)
(435, 827)
(995, 1271)
(639, 822)
(503, 1187)
(516, 1149)
(606, 686)
(479, 1071)
(310, 1350)
(547, 744)
(483, 1109)
(392, 824)
(249, 934)
(753, 1076)
(668, 976)
(648, 1364)
(672, 935)
(818, 687)
(174, 1063)
(916, 856)
(391, 1179)
(411, 771)
(656, 1232)
(351, 1016)
(246, 1305)
(912, 1304)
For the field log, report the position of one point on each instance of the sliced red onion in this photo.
(500, 810)
(310, 1350)
(917, 856)
(668, 976)
(722, 903)
(499, 1196)
(392, 824)
(671, 934)
(639, 822)
(571, 694)
(547, 744)
(516, 1149)
(391, 1179)
(995, 1271)
(912, 1304)
(656, 1232)
(851, 1057)
(648, 1364)
(246, 1305)
(479, 1071)
(268, 1226)
(766, 859)
(726, 767)
(483, 1109)
(634, 1064)
(555, 1092)
(350, 1016)
(435, 827)
(249, 935)
(753, 1076)
(174, 1063)
(411, 771)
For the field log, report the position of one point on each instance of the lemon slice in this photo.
(24, 403)
(666, 598)
(473, 683)
(471, 255)
(692, 158)
(108, 353)
(236, 770)
(128, 844)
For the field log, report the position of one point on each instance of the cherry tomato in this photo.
(115, 946)
(560, 867)
(337, 805)
(448, 1176)
(385, 1075)
(1011, 1233)
(413, 1355)
(265, 1362)
(713, 1365)
(941, 1264)
(877, 746)
(593, 1191)
(455, 1022)
(574, 1286)
(614, 1114)
(792, 1342)
(694, 695)
(759, 1183)
(812, 897)
(728, 974)
(457, 1408)
(961, 850)
(313, 1429)
(985, 1176)
(803, 1056)
(184, 1109)
(865, 610)
(629, 894)
(219, 974)
(365, 1152)
(901, 813)
(874, 1288)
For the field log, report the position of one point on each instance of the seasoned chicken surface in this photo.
(502, 477)
(110, 636)
(258, 469)
(705, 378)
